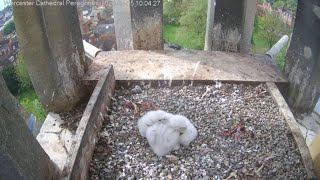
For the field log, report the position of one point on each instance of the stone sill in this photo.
(66, 149)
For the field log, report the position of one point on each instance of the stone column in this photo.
(233, 25)
(139, 24)
(51, 42)
(317, 107)
(21, 156)
(210, 25)
(147, 24)
(303, 58)
(29, 119)
(122, 21)
(249, 13)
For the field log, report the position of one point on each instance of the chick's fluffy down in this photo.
(162, 139)
(151, 118)
(188, 132)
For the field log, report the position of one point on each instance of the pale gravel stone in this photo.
(212, 108)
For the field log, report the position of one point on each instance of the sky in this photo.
(2, 6)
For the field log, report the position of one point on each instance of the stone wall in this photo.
(147, 25)
(21, 156)
(303, 58)
(233, 25)
(138, 24)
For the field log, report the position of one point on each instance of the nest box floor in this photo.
(267, 151)
(185, 65)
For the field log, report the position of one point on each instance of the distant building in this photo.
(102, 15)
(1, 35)
(106, 37)
(103, 29)
(9, 47)
(267, 7)
(107, 42)
(263, 8)
(288, 17)
(97, 26)
(85, 23)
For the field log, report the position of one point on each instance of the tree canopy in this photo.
(190, 18)
(278, 4)
(273, 28)
(287, 4)
(9, 28)
(195, 17)
(292, 5)
(172, 11)
(22, 73)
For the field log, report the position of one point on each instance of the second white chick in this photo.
(151, 118)
(162, 139)
(188, 132)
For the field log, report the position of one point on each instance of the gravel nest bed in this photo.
(121, 153)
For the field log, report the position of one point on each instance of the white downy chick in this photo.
(151, 118)
(162, 139)
(178, 123)
(188, 132)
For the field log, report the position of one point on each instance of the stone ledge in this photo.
(294, 128)
(55, 140)
(80, 155)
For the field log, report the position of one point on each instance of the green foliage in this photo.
(30, 101)
(271, 1)
(255, 29)
(279, 4)
(8, 28)
(272, 28)
(171, 34)
(287, 4)
(281, 58)
(193, 21)
(260, 44)
(17, 77)
(186, 22)
(195, 17)
(292, 5)
(22, 73)
(10, 78)
(176, 34)
(172, 11)
(34, 107)
(19, 84)
(260, 1)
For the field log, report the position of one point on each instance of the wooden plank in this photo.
(185, 65)
(78, 162)
(293, 125)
